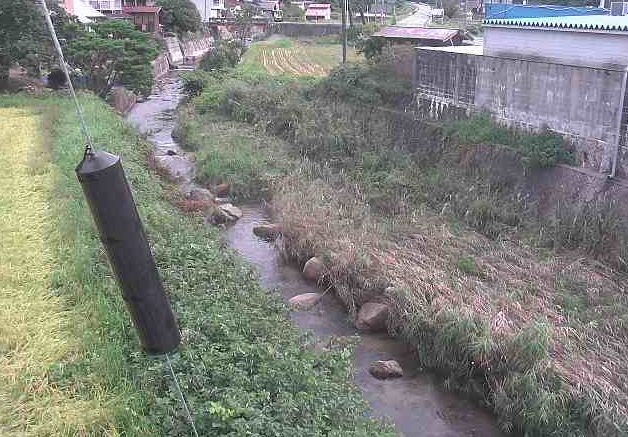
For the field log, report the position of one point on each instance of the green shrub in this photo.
(194, 83)
(467, 265)
(545, 149)
(226, 55)
(373, 85)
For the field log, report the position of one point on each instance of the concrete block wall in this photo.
(196, 47)
(160, 66)
(173, 50)
(306, 29)
(584, 104)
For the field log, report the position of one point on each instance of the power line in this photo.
(64, 67)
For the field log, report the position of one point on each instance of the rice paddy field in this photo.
(292, 57)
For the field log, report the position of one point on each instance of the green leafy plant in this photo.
(111, 52)
(226, 55)
(179, 16)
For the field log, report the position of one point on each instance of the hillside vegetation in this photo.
(433, 219)
(70, 362)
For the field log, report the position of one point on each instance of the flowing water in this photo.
(414, 403)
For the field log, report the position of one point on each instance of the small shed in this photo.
(420, 36)
(318, 12)
(145, 18)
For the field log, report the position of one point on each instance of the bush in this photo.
(194, 83)
(225, 56)
(56, 79)
(373, 85)
(545, 149)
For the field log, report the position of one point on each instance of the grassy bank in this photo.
(393, 205)
(70, 358)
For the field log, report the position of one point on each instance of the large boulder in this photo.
(304, 301)
(314, 269)
(268, 232)
(372, 317)
(232, 211)
(178, 168)
(385, 369)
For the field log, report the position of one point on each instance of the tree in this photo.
(450, 8)
(180, 16)
(225, 56)
(113, 51)
(24, 37)
(292, 12)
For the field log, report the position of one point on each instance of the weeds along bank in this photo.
(69, 360)
(391, 205)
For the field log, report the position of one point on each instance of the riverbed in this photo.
(415, 404)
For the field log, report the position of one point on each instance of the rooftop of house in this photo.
(503, 10)
(319, 6)
(141, 9)
(424, 33)
(595, 23)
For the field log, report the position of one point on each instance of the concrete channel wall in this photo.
(584, 104)
(306, 29)
(160, 66)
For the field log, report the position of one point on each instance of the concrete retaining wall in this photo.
(173, 50)
(583, 104)
(306, 29)
(122, 99)
(160, 66)
(196, 47)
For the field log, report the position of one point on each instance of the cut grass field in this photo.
(292, 57)
(70, 362)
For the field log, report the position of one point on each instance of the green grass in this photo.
(244, 367)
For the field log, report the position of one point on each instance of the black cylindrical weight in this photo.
(111, 202)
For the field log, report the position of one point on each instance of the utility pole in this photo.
(344, 31)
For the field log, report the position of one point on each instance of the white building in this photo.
(318, 12)
(593, 41)
(81, 10)
(210, 9)
(108, 7)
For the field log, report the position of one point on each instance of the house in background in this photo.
(107, 7)
(143, 13)
(318, 12)
(402, 41)
(81, 10)
(210, 9)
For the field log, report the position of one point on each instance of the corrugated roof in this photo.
(590, 22)
(507, 11)
(430, 33)
(141, 9)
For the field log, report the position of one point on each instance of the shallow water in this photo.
(415, 403)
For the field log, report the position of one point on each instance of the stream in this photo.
(416, 403)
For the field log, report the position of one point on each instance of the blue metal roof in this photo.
(503, 10)
(591, 22)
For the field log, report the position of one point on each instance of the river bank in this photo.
(520, 327)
